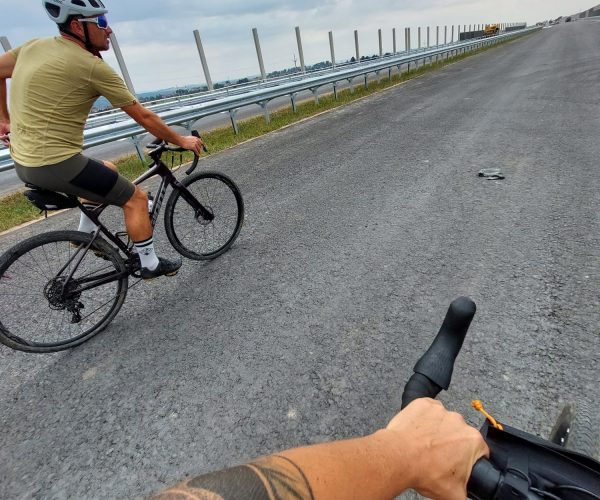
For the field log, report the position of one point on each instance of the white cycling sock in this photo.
(85, 223)
(145, 250)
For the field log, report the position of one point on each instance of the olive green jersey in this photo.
(54, 84)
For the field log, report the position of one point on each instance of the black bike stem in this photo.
(433, 371)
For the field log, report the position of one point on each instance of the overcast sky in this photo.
(156, 37)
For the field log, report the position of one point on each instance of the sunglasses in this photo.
(99, 21)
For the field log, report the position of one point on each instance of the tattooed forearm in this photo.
(268, 478)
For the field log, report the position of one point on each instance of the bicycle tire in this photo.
(220, 196)
(578, 428)
(34, 316)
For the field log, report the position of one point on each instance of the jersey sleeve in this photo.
(16, 51)
(110, 85)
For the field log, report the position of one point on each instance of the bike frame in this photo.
(157, 167)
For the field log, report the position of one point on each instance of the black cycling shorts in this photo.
(80, 176)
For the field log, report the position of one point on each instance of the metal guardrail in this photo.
(190, 113)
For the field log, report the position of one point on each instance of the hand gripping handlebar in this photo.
(433, 372)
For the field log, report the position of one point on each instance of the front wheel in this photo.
(194, 236)
(55, 295)
(577, 428)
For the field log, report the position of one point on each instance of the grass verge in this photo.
(16, 210)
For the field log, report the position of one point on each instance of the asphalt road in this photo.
(362, 225)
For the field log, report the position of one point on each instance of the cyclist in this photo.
(424, 447)
(55, 82)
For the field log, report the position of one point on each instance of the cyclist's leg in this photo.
(81, 176)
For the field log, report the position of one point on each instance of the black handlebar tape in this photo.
(437, 363)
(484, 481)
(419, 386)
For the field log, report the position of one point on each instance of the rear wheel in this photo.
(192, 235)
(578, 429)
(41, 310)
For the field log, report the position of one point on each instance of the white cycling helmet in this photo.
(60, 10)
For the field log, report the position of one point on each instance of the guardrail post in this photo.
(380, 43)
(232, 113)
(335, 94)
(356, 45)
(394, 40)
(300, 51)
(315, 92)
(263, 105)
(5, 43)
(261, 64)
(209, 82)
(332, 49)
(137, 142)
(121, 61)
(293, 99)
(452, 36)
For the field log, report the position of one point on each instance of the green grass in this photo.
(16, 210)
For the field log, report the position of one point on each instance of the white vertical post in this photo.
(437, 36)
(332, 49)
(419, 36)
(446, 35)
(394, 40)
(300, 51)
(452, 35)
(209, 82)
(121, 61)
(5, 43)
(380, 43)
(356, 45)
(261, 64)
(428, 38)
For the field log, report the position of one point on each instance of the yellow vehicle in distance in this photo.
(491, 30)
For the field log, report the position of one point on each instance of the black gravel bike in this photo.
(60, 288)
(521, 465)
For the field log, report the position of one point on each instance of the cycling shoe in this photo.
(165, 267)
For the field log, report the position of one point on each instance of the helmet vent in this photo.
(96, 4)
(53, 10)
(79, 2)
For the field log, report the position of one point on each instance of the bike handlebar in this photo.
(433, 371)
(497, 479)
(159, 146)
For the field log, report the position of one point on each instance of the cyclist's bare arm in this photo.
(154, 124)
(7, 65)
(424, 447)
